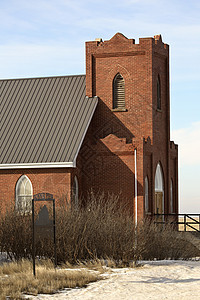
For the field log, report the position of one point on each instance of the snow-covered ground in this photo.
(154, 280)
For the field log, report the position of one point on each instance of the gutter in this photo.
(38, 165)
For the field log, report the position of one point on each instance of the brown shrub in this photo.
(15, 235)
(99, 229)
(163, 242)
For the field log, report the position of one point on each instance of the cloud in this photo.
(77, 21)
(188, 140)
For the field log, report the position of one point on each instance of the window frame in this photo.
(117, 99)
(19, 204)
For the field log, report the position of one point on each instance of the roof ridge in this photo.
(43, 77)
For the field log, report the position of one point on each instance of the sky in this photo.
(47, 38)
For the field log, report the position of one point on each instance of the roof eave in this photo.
(38, 165)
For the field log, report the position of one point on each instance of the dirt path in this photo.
(155, 280)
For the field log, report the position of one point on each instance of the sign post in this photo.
(43, 225)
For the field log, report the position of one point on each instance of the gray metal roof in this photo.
(43, 120)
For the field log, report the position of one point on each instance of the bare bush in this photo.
(163, 242)
(15, 235)
(101, 228)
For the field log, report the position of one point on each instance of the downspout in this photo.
(135, 212)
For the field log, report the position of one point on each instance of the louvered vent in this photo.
(118, 92)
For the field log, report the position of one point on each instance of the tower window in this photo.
(146, 195)
(158, 94)
(75, 202)
(171, 197)
(118, 92)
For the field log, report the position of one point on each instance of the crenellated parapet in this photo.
(173, 146)
(118, 145)
(173, 151)
(119, 41)
(147, 144)
(147, 141)
(119, 46)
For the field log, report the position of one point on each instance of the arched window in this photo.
(118, 92)
(159, 185)
(24, 195)
(146, 194)
(158, 93)
(171, 197)
(75, 202)
(159, 190)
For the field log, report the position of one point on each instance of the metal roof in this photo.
(43, 121)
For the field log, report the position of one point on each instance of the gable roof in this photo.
(43, 121)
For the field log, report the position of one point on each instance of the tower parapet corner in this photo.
(147, 141)
(158, 42)
(173, 146)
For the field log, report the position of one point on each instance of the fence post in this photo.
(185, 222)
(199, 222)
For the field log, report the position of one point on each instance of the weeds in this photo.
(47, 281)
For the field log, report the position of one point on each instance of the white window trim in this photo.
(160, 184)
(22, 195)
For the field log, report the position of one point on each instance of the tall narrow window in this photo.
(118, 92)
(146, 195)
(158, 93)
(159, 191)
(171, 197)
(24, 195)
(75, 193)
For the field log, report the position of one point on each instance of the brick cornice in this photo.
(118, 54)
(117, 153)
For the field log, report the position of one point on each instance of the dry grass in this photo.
(17, 279)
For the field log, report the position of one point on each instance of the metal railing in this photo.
(189, 221)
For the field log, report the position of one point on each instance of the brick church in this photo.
(106, 131)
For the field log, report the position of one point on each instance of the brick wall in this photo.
(106, 161)
(113, 135)
(54, 181)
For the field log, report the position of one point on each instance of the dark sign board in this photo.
(43, 225)
(43, 196)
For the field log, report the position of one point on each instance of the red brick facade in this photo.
(106, 160)
(107, 156)
(55, 181)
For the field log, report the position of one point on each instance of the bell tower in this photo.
(132, 83)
